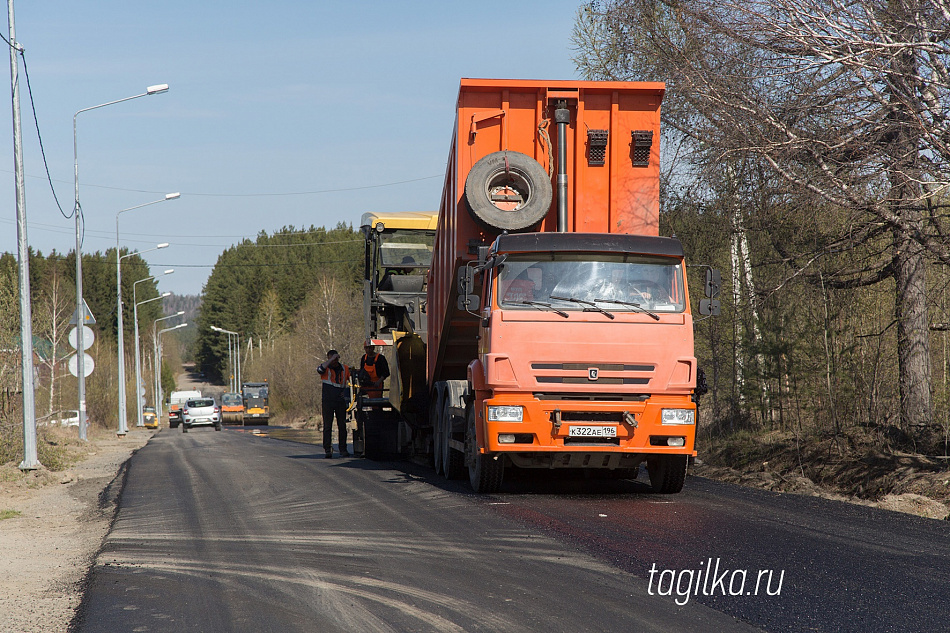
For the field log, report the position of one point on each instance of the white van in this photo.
(175, 401)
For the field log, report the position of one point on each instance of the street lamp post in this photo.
(158, 347)
(156, 359)
(81, 316)
(139, 387)
(123, 425)
(236, 365)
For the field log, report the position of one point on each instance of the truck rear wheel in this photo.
(485, 473)
(667, 473)
(508, 191)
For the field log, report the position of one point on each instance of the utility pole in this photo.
(23, 253)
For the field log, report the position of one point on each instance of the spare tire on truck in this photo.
(508, 191)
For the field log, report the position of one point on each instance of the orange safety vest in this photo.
(370, 369)
(336, 378)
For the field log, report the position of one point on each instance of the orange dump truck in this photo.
(559, 331)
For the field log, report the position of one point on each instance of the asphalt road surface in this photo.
(228, 531)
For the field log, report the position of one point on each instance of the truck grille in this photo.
(614, 417)
(593, 373)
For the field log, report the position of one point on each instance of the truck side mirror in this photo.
(709, 307)
(466, 285)
(713, 284)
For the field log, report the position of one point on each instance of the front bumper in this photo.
(202, 421)
(546, 426)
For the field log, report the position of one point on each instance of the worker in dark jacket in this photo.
(336, 398)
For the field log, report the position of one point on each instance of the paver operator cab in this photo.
(556, 329)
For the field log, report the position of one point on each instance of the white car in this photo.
(175, 402)
(200, 412)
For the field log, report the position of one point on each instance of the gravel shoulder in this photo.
(58, 522)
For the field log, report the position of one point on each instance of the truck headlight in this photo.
(678, 416)
(505, 414)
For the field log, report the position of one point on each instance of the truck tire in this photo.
(667, 473)
(453, 462)
(485, 473)
(520, 179)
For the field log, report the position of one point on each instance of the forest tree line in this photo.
(53, 305)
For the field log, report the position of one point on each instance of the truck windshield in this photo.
(575, 281)
(255, 392)
(406, 249)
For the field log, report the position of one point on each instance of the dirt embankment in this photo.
(850, 466)
(54, 525)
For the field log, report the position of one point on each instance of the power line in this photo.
(271, 265)
(247, 195)
(39, 136)
(53, 228)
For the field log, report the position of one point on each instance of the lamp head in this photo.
(157, 89)
(162, 245)
(172, 196)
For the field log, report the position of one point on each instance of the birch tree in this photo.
(52, 312)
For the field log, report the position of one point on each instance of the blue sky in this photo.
(269, 103)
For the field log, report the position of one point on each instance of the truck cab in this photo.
(584, 352)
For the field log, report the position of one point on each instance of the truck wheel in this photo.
(485, 473)
(508, 191)
(667, 473)
(453, 462)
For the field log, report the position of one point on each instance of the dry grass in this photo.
(866, 465)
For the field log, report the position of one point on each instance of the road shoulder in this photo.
(47, 549)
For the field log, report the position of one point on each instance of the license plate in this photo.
(592, 431)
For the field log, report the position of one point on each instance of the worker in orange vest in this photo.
(373, 371)
(336, 398)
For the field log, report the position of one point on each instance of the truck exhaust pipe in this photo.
(562, 116)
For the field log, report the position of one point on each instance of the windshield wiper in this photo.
(536, 304)
(634, 305)
(593, 306)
